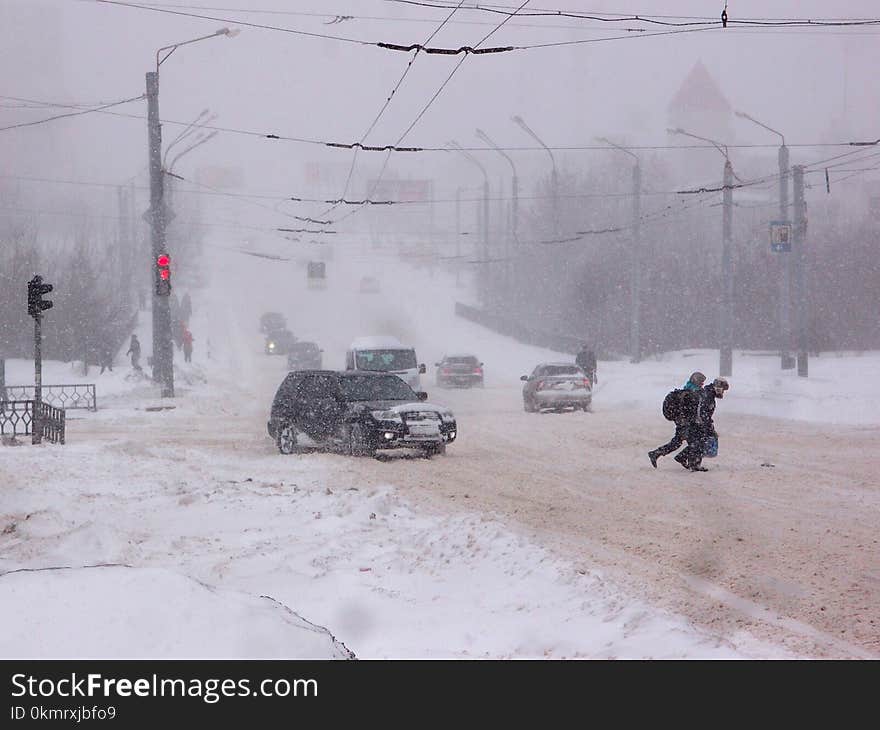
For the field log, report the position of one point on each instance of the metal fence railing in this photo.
(17, 419)
(68, 397)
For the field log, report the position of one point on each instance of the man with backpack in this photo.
(679, 406)
(703, 426)
(586, 361)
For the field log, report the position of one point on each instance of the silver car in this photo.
(557, 385)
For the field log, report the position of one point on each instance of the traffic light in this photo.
(163, 275)
(36, 303)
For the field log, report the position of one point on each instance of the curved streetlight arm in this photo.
(516, 119)
(485, 137)
(191, 148)
(175, 46)
(743, 115)
(188, 131)
(722, 148)
(457, 147)
(607, 141)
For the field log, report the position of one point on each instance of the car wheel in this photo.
(529, 407)
(358, 445)
(588, 407)
(286, 439)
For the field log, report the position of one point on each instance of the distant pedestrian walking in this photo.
(586, 361)
(187, 345)
(683, 415)
(134, 349)
(106, 357)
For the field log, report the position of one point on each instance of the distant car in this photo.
(557, 385)
(279, 342)
(304, 356)
(464, 371)
(356, 413)
(370, 285)
(272, 322)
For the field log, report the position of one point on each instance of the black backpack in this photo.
(674, 404)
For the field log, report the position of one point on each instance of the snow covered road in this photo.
(537, 535)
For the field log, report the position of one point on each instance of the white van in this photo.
(385, 355)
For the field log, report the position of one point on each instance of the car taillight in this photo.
(444, 372)
(540, 385)
(587, 383)
(478, 371)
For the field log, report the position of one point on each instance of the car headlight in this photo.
(387, 416)
(271, 345)
(447, 416)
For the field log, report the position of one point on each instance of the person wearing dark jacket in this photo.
(134, 349)
(684, 420)
(586, 361)
(703, 426)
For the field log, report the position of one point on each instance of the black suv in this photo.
(356, 413)
(304, 356)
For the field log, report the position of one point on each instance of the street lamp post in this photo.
(163, 352)
(554, 180)
(636, 263)
(725, 316)
(786, 360)
(457, 147)
(514, 209)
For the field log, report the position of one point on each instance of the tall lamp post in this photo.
(163, 352)
(554, 180)
(725, 316)
(636, 263)
(457, 147)
(514, 206)
(786, 360)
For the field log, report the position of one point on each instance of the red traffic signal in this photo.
(163, 275)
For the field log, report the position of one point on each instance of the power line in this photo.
(72, 114)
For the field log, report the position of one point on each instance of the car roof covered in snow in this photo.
(460, 354)
(377, 342)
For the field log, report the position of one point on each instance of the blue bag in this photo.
(710, 447)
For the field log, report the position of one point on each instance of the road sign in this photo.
(780, 236)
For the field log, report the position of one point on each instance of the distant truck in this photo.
(385, 354)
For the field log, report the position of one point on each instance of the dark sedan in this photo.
(357, 413)
(463, 371)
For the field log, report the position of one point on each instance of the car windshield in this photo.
(366, 387)
(462, 360)
(386, 360)
(552, 370)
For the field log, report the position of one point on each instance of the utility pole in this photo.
(786, 360)
(458, 238)
(799, 236)
(635, 339)
(725, 365)
(163, 352)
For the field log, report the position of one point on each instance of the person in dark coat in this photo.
(134, 349)
(684, 420)
(187, 345)
(106, 357)
(703, 426)
(586, 361)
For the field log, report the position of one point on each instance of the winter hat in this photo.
(697, 378)
(722, 385)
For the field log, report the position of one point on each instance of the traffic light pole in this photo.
(36, 419)
(798, 243)
(163, 352)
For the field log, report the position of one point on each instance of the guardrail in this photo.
(68, 397)
(17, 419)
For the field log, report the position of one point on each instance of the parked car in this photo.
(279, 342)
(357, 413)
(370, 285)
(557, 385)
(304, 356)
(464, 371)
(272, 322)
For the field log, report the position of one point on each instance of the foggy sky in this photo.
(815, 85)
